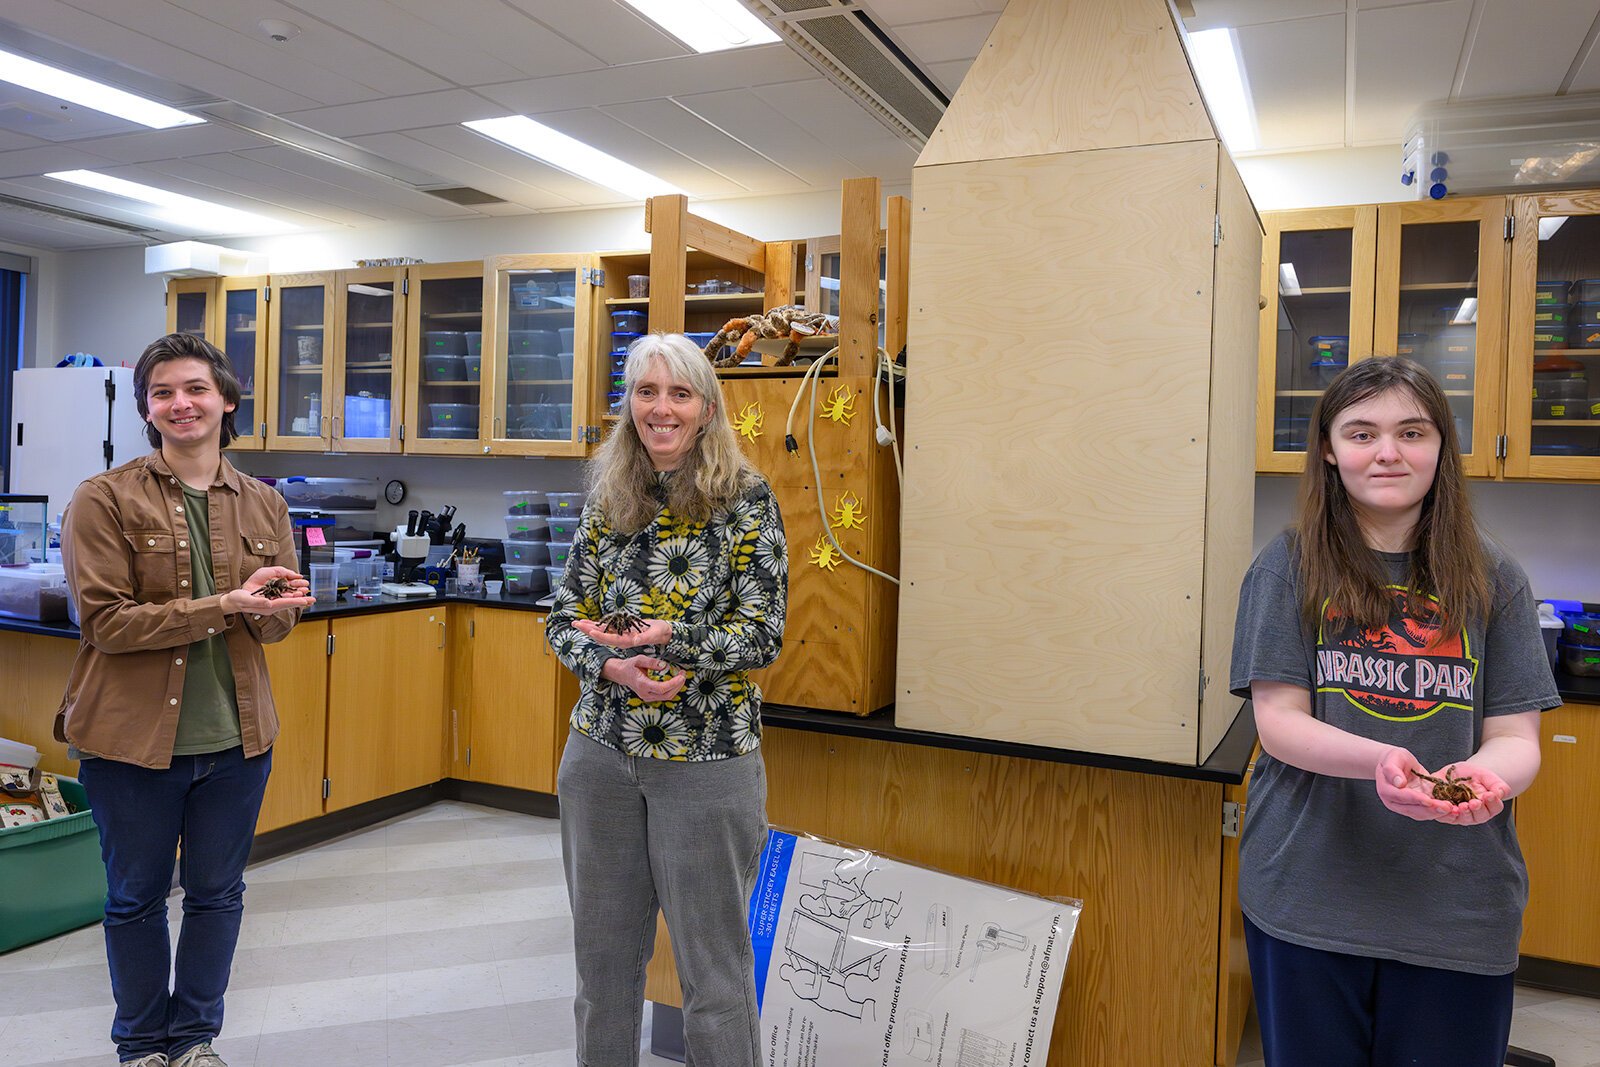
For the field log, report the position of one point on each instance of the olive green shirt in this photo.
(209, 717)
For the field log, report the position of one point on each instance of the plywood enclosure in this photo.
(839, 638)
(1055, 497)
(1142, 852)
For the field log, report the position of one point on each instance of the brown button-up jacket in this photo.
(125, 543)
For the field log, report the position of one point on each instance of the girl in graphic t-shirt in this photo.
(1386, 643)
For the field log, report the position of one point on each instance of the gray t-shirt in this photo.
(1322, 862)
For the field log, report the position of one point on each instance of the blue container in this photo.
(1583, 628)
(1584, 289)
(1558, 314)
(1326, 370)
(628, 321)
(1332, 346)
(621, 339)
(1551, 292)
(1410, 344)
(1584, 314)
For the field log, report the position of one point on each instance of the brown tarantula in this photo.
(621, 621)
(274, 588)
(1450, 788)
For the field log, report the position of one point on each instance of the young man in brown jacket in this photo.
(169, 559)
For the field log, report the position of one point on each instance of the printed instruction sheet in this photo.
(865, 960)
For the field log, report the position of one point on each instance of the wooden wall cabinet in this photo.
(387, 704)
(225, 311)
(445, 357)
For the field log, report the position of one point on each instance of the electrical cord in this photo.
(812, 374)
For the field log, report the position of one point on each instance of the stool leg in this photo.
(1521, 1057)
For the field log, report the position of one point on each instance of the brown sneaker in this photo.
(199, 1056)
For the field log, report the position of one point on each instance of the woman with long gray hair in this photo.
(674, 591)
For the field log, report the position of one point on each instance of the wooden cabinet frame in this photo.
(277, 441)
(413, 419)
(252, 437)
(339, 357)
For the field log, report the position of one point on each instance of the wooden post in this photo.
(858, 276)
(897, 243)
(665, 218)
(779, 275)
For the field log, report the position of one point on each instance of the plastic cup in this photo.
(325, 582)
(492, 587)
(468, 577)
(369, 578)
(638, 286)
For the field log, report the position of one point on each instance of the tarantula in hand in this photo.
(1450, 788)
(621, 621)
(273, 588)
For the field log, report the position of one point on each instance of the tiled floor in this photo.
(441, 938)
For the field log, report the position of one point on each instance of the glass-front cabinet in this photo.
(300, 364)
(241, 303)
(191, 307)
(444, 358)
(1441, 301)
(369, 360)
(1317, 284)
(1553, 339)
(543, 330)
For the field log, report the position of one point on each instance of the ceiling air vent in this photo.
(849, 48)
(464, 196)
(34, 207)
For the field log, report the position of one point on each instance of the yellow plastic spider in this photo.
(840, 405)
(848, 514)
(824, 555)
(749, 420)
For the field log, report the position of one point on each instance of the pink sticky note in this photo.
(314, 536)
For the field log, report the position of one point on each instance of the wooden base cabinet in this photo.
(386, 704)
(1558, 840)
(515, 699)
(298, 667)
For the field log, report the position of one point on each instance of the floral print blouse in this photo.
(724, 586)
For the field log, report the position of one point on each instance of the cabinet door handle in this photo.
(338, 426)
(324, 424)
(496, 431)
(441, 635)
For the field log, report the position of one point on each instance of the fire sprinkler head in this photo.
(278, 29)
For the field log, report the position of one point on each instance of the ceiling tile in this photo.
(609, 30)
(146, 145)
(1213, 14)
(948, 76)
(1296, 73)
(275, 193)
(455, 166)
(299, 169)
(1525, 47)
(1405, 56)
(757, 124)
(20, 226)
(525, 169)
(840, 121)
(504, 34)
(648, 152)
(395, 113)
(20, 162)
(938, 42)
(699, 140)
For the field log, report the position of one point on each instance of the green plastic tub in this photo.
(54, 879)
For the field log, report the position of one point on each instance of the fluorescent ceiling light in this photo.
(370, 290)
(573, 156)
(177, 211)
(1549, 225)
(1215, 54)
(31, 74)
(706, 25)
(1288, 283)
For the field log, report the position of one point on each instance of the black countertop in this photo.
(1226, 765)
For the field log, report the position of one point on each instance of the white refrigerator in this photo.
(68, 424)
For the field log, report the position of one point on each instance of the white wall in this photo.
(1324, 179)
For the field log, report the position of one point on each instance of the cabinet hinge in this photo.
(405, 286)
(330, 644)
(327, 788)
(1231, 811)
(1204, 679)
(402, 431)
(1216, 230)
(594, 276)
(1502, 446)
(266, 297)
(1511, 227)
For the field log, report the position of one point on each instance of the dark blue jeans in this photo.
(209, 804)
(1330, 1009)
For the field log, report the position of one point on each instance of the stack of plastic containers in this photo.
(1330, 354)
(1565, 315)
(527, 543)
(1579, 644)
(566, 509)
(627, 326)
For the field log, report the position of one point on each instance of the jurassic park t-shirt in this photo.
(1322, 862)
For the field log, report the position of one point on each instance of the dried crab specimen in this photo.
(1450, 788)
(274, 588)
(621, 621)
(789, 321)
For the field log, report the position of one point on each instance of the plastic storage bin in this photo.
(621, 339)
(559, 551)
(553, 576)
(1410, 344)
(1331, 346)
(366, 416)
(533, 342)
(55, 880)
(527, 553)
(568, 336)
(1552, 315)
(444, 343)
(1560, 387)
(528, 367)
(1324, 371)
(524, 581)
(454, 416)
(444, 368)
(627, 320)
(1584, 289)
(1456, 342)
(1554, 337)
(564, 525)
(1580, 336)
(1551, 292)
(474, 342)
(1455, 374)
(330, 494)
(527, 527)
(474, 367)
(525, 502)
(36, 591)
(564, 361)
(560, 502)
(1557, 409)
